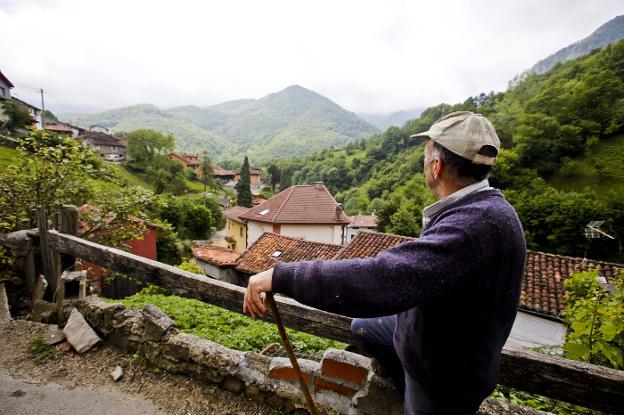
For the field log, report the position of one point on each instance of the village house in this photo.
(113, 286)
(106, 146)
(66, 129)
(307, 212)
(5, 87)
(5, 94)
(231, 177)
(236, 228)
(217, 262)
(360, 223)
(188, 160)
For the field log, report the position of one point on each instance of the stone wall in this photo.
(342, 382)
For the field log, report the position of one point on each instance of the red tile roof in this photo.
(367, 244)
(216, 255)
(299, 204)
(544, 274)
(187, 158)
(262, 255)
(367, 221)
(58, 127)
(234, 213)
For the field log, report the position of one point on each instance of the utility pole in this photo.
(42, 110)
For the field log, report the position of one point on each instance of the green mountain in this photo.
(608, 33)
(561, 165)
(292, 122)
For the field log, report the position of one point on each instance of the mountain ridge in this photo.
(290, 122)
(608, 33)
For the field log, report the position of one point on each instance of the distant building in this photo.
(217, 262)
(35, 112)
(99, 129)
(5, 87)
(236, 228)
(231, 177)
(188, 160)
(359, 223)
(106, 146)
(308, 212)
(62, 128)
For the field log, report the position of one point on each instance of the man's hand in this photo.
(259, 283)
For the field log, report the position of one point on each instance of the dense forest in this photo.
(552, 127)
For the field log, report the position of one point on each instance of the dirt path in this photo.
(83, 384)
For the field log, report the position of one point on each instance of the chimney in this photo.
(318, 185)
(338, 210)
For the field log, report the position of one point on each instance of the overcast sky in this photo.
(368, 56)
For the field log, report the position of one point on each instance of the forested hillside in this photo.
(548, 124)
(292, 122)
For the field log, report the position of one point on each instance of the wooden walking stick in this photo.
(291, 354)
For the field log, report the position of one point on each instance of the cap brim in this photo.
(420, 136)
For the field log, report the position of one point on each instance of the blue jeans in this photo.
(375, 336)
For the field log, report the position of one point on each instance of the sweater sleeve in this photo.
(411, 274)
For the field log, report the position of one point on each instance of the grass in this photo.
(227, 328)
(42, 351)
(602, 170)
(7, 156)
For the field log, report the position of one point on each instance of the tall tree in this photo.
(206, 168)
(274, 174)
(243, 187)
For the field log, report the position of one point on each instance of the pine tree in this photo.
(243, 187)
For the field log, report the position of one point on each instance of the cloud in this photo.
(366, 55)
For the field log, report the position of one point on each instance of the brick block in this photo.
(321, 384)
(345, 367)
(281, 369)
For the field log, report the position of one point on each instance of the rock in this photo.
(5, 314)
(78, 332)
(232, 384)
(156, 323)
(117, 373)
(54, 335)
(64, 347)
(253, 393)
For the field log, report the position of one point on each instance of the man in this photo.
(454, 290)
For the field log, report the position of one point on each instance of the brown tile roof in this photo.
(220, 171)
(259, 257)
(299, 204)
(187, 158)
(216, 255)
(544, 274)
(234, 213)
(58, 127)
(101, 139)
(367, 244)
(368, 221)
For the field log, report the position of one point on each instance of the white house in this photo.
(359, 223)
(307, 212)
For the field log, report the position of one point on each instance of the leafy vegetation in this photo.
(230, 329)
(595, 315)
(42, 351)
(17, 117)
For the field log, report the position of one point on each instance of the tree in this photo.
(145, 146)
(274, 175)
(18, 118)
(243, 187)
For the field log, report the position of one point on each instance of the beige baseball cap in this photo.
(465, 134)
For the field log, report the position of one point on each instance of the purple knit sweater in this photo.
(455, 290)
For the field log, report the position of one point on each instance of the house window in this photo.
(2, 91)
(240, 231)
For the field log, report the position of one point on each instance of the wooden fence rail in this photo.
(579, 383)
